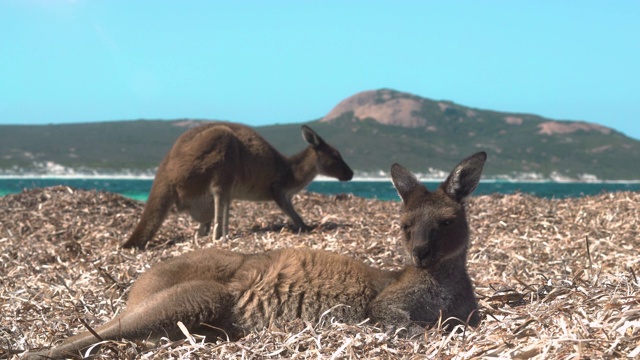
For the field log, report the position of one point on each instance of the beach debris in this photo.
(555, 278)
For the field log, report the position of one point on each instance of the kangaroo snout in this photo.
(347, 176)
(422, 255)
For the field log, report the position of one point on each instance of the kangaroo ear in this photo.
(404, 182)
(311, 137)
(464, 179)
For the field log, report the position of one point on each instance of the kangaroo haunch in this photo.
(236, 293)
(212, 164)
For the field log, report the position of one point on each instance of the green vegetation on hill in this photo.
(369, 146)
(102, 145)
(515, 143)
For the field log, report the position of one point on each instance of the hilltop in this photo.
(372, 129)
(376, 128)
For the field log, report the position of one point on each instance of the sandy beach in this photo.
(555, 278)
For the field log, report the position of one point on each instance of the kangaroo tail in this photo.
(72, 347)
(161, 197)
(194, 303)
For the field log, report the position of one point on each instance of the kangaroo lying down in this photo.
(214, 291)
(212, 164)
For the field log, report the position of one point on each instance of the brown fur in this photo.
(212, 164)
(237, 292)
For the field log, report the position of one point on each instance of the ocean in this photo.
(380, 189)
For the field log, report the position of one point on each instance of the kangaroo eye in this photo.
(446, 222)
(405, 227)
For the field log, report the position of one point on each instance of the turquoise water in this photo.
(139, 188)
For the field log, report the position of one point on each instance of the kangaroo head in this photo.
(329, 161)
(434, 223)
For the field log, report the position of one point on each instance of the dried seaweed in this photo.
(555, 278)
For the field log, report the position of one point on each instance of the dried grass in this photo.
(555, 278)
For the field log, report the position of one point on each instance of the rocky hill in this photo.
(372, 129)
(521, 145)
(402, 109)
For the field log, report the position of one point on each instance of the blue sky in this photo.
(266, 62)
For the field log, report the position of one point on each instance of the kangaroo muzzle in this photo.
(348, 175)
(421, 255)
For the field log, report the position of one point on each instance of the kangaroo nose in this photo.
(421, 253)
(347, 176)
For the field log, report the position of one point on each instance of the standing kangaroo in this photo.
(212, 164)
(234, 293)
